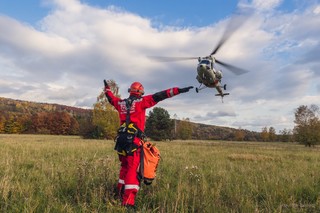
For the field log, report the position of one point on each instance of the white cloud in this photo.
(266, 4)
(65, 58)
(317, 10)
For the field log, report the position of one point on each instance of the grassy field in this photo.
(69, 174)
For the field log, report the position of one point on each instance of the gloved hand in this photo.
(185, 89)
(106, 86)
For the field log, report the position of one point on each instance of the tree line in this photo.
(18, 117)
(306, 130)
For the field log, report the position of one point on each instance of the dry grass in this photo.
(69, 174)
(250, 157)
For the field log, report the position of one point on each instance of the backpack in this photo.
(149, 160)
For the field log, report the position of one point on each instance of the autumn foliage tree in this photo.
(239, 135)
(55, 123)
(2, 121)
(268, 134)
(264, 134)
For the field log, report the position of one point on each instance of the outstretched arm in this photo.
(160, 96)
(107, 91)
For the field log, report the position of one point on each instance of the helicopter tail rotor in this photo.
(223, 94)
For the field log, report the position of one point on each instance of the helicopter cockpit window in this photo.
(205, 62)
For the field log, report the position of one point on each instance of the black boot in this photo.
(118, 194)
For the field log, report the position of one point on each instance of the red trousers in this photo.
(128, 177)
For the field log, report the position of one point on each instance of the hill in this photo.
(18, 116)
(28, 107)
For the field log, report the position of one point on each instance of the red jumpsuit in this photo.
(129, 164)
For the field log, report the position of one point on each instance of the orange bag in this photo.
(149, 160)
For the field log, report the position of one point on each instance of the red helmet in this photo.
(136, 88)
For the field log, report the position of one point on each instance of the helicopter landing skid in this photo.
(200, 88)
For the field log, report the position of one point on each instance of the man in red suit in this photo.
(132, 114)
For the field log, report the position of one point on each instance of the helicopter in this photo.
(208, 75)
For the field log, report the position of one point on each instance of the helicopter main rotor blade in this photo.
(234, 24)
(168, 59)
(234, 69)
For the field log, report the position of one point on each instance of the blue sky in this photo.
(170, 12)
(59, 51)
(196, 13)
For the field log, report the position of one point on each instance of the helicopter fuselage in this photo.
(209, 76)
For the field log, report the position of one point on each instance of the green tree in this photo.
(285, 135)
(272, 134)
(307, 129)
(184, 129)
(159, 124)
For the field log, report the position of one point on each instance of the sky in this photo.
(59, 51)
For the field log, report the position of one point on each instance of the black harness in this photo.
(127, 132)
